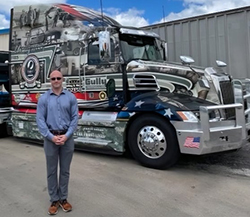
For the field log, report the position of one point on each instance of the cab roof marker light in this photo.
(187, 116)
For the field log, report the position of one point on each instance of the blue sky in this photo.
(137, 12)
(151, 10)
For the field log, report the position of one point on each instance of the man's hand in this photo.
(56, 140)
(62, 139)
(59, 140)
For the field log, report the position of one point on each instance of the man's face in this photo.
(56, 80)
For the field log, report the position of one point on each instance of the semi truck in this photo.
(5, 99)
(129, 96)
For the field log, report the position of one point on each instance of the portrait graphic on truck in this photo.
(129, 96)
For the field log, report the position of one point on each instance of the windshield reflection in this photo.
(139, 47)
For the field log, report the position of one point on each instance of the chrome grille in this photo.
(227, 93)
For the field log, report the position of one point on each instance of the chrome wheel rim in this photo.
(152, 142)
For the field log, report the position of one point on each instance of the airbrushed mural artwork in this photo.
(49, 37)
(56, 35)
(67, 37)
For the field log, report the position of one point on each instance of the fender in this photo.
(166, 104)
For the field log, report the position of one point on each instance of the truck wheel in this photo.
(3, 130)
(153, 142)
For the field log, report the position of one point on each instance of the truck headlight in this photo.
(188, 116)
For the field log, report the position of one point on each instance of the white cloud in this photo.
(134, 17)
(4, 22)
(131, 17)
(199, 7)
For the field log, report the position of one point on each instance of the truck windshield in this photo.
(139, 47)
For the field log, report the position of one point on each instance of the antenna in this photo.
(163, 13)
(102, 12)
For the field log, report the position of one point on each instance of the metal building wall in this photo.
(4, 39)
(220, 36)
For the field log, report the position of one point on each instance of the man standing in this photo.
(31, 16)
(57, 117)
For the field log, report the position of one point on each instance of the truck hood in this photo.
(168, 67)
(161, 100)
(184, 101)
(177, 78)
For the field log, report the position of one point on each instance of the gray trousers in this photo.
(62, 154)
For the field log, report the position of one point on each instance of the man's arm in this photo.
(74, 117)
(41, 114)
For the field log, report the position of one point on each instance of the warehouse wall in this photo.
(4, 39)
(219, 36)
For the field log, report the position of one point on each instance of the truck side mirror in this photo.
(104, 45)
(165, 50)
(186, 60)
(110, 88)
(221, 63)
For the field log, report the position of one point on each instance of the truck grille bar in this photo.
(227, 93)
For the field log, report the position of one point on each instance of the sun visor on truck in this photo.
(138, 32)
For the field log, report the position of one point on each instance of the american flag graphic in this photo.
(192, 142)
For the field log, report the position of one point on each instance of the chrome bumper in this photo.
(210, 136)
(242, 95)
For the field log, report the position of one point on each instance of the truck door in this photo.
(98, 71)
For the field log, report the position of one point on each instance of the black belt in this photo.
(58, 132)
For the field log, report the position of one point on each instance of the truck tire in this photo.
(153, 143)
(3, 130)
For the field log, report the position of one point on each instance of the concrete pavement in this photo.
(106, 186)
